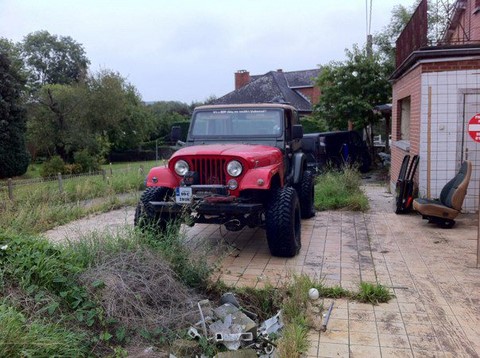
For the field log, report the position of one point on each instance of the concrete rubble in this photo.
(233, 327)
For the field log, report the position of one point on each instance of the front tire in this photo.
(283, 223)
(145, 214)
(306, 194)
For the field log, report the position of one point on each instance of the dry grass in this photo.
(139, 290)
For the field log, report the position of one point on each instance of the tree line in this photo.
(51, 105)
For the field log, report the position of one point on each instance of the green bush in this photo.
(52, 167)
(86, 161)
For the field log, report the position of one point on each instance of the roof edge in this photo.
(438, 52)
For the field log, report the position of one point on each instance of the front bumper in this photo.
(207, 208)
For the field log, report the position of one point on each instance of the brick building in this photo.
(436, 90)
(295, 87)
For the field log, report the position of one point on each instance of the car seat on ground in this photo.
(442, 211)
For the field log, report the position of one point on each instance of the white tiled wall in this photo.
(448, 142)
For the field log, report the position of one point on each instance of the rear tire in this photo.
(283, 223)
(306, 194)
(146, 216)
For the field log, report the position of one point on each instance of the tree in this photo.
(53, 59)
(116, 111)
(14, 158)
(438, 17)
(351, 89)
(165, 114)
(56, 124)
(101, 114)
(385, 39)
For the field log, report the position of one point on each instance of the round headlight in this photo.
(234, 168)
(181, 167)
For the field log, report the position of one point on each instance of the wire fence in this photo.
(9, 186)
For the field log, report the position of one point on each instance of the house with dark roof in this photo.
(296, 88)
(435, 95)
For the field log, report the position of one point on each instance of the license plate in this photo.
(183, 195)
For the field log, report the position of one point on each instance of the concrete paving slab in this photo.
(431, 271)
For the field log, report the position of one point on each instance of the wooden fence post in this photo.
(10, 189)
(111, 170)
(104, 174)
(60, 182)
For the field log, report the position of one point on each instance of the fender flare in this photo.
(163, 177)
(250, 180)
(298, 162)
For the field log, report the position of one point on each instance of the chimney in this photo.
(242, 77)
(279, 70)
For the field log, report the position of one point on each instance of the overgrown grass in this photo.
(20, 337)
(340, 190)
(33, 170)
(32, 217)
(45, 295)
(193, 271)
(41, 206)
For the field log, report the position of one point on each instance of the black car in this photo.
(314, 150)
(336, 149)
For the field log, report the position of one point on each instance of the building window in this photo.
(404, 106)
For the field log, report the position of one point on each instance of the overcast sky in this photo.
(187, 50)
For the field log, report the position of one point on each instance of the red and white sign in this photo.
(474, 127)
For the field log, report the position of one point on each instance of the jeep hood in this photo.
(258, 155)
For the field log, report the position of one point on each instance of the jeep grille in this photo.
(210, 171)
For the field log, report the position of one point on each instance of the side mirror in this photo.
(176, 133)
(297, 131)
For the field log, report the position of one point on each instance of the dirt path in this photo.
(109, 222)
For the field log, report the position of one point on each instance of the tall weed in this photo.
(340, 190)
(20, 337)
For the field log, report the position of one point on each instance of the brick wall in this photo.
(451, 66)
(468, 28)
(313, 93)
(408, 85)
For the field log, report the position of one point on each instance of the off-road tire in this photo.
(283, 223)
(145, 215)
(306, 195)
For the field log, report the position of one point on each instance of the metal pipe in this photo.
(327, 317)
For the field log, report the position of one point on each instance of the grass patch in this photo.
(32, 217)
(20, 337)
(39, 206)
(340, 190)
(373, 293)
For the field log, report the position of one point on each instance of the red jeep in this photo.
(242, 165)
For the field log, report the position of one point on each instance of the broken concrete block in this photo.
(237, 317)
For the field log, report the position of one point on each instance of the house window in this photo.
(404, 106)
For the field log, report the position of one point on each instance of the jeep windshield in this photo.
(247, 122)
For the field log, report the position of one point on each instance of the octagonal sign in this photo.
(474, 127)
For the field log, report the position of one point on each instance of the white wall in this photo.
(449, 141)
